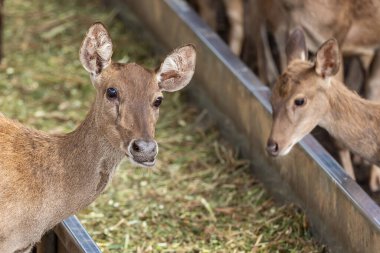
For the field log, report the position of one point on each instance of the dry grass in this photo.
(199, 198)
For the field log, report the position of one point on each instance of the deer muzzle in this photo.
(272, 148)
(143, 152)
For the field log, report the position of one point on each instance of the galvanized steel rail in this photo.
(341, 213)
(67, 237)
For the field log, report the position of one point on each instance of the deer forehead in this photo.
(130, 79)
(295, 78)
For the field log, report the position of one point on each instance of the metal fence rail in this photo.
(69, 236)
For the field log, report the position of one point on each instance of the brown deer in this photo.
(46, 178)
(307, 94)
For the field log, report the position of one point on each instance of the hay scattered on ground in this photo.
(199, 198)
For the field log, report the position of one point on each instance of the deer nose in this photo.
(143, 151)
(272, 147)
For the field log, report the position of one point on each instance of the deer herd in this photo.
(45, 178)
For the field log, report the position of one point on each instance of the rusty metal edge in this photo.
(334, 174)
(74, 236)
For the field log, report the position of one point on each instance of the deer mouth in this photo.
(140, 162)
(150, 163)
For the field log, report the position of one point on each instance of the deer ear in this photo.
(296, 46)
(177, 69)
(96, 51)
(327, 61)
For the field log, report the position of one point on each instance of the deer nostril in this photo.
(272, 147)
(135, 147)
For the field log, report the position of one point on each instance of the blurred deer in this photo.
(226, 18)
(307, 94)
(353, 23)
(46, 178)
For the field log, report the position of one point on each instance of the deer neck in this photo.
(353, 121)
(89, 160)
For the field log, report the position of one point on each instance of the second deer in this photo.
(307, 94)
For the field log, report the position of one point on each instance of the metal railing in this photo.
(69, 236)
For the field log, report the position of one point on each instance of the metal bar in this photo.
(341, 213)
(73, 238)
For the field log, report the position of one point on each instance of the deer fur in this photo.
(45, 178)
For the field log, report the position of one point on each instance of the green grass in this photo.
(199, 198)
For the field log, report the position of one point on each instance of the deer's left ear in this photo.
(177, 69)
(327, 61)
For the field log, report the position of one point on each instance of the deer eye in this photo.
(112, 93)
(299, 101)
(157, 102)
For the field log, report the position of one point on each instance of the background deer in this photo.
(353, 23)
(46, 178)
(225, 17)
(307, 95)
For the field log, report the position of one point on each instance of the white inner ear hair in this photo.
(168, 65)
(104, 49)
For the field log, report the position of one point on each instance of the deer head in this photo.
(299, 98)
(128, 96)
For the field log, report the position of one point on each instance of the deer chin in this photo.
(286, 150)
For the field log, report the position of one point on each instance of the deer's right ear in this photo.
(96, 51)
(296, 46)
(327, 60)
(177, 69)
